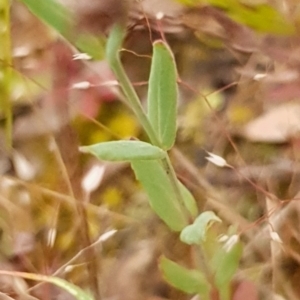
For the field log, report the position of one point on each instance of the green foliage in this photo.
(60, 19)
(196, 233)
(113, 46)
(161, 194)
(162, 94)
(189, 281)
(170, 200)
(225, 264)
(53, 14)
(188, 200)
(222, 262)
(124, 151)
(261, 17)
(158, 178)
(91, 44)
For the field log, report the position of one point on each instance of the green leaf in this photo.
(261, 17)
(196, 233)
(59, 18)
(124, 151)
(226, 264)
(52, 13)
(188, 281)
(189, 200)
(162, 94)
(91, 44)
(72, 289)
(161, 195)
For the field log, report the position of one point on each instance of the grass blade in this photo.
(52, 13)
(75, 291)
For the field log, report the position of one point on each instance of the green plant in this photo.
(170, 200)
(214, 253)
(151, 163)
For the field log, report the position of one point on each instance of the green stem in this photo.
(113, 46)
(5, 68)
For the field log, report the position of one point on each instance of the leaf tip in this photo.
(84, 149)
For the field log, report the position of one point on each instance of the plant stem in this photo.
(112, 53)
(135, 104)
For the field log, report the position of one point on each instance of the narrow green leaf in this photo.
(162, 94)
(189, 200)
(91, 44)
(188, 281)
(226, 264)
(261, 17)
(196, 233)
(74, 290)
(52, 13)
(124, 151)
(162, 197)
(59, 18)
